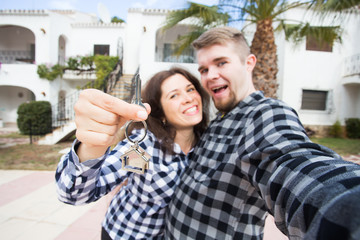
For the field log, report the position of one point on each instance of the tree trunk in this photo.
(264, 48)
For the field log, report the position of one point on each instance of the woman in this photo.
(179, 115)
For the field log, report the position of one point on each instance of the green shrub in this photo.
(50, 73)
(353, 127)
(103, 66)
(34, 118)
(336, 130)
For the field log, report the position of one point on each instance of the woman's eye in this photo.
(173, 96)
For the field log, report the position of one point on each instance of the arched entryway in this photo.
(17, 45)
(11, 97)
(62, 50)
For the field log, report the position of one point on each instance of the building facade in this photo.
(322, 83)
(323, 86)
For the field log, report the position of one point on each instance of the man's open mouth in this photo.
(219, 89)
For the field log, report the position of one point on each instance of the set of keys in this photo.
(136, 159)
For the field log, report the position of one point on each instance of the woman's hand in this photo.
(98, 117)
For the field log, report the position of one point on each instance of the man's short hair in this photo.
(223, 36)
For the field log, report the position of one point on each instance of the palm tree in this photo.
(263, 13)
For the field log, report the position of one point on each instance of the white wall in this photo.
(314, 70)
(26, 78)
(85, 36)
(44, 28)
(298, 69)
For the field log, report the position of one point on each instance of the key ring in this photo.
(126, 130)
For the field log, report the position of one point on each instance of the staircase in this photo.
(59, 134)
(123, 89)
(116, 84)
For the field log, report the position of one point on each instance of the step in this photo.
(59, 134)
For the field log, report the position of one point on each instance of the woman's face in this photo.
(181, 102)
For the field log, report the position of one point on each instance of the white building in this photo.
(322, 86)
(28, 38)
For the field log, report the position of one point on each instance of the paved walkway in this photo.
(30, 210)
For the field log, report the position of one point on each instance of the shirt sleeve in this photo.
(83, 182)
(311, 191)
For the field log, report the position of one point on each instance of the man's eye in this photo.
(203, 71)
(221, 63)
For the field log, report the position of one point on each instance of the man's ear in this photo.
(250, 62)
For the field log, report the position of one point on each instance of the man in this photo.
(255, 158)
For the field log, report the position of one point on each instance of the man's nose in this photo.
(212, 73)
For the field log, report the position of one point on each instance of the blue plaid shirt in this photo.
(258, 159)
(137, 211)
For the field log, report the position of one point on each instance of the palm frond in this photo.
(200, 18)
(198, 15)
(298, 32)
(284, 8)
(334, 5)
(184, 41)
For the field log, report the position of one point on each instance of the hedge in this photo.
(353, 127)
(34, 118)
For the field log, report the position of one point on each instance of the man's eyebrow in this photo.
(214, 61)
(219, 59)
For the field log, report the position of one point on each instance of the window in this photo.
(168, 54)
(314, 100)
(102, 50)
(32, 52)
(321, 38)
(312, 44)
(61, 105)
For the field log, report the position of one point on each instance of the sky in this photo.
(117, 8)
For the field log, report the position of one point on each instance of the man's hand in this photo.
(98, 117)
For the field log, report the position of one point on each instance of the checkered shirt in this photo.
(138, 210)
(258, 159)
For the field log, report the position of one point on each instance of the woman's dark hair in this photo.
(151, 94)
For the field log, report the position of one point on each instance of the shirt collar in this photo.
(249, 100)
(177, 149)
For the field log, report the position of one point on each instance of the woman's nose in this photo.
(187, 98)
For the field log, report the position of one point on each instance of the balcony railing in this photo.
(352, 65)
(16, 56)
(63, 111)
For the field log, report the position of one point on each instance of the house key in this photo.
(136, 159)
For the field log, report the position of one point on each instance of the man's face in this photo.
(224, 76)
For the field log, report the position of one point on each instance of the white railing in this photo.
(351, 65)
(16, 56)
